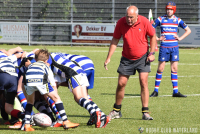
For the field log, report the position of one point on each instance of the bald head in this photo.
(132, 9)
(131, 15)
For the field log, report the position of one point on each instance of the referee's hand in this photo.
(106, 63)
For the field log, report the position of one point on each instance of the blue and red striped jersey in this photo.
(169, 28)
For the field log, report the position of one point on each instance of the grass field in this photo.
(171, 115)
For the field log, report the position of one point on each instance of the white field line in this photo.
(163, 96)
(100, 51)
(149, 77)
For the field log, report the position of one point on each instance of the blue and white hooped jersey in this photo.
(37, 74)
(169, 28)
(6, 65)
(62, 66)
(84, 62)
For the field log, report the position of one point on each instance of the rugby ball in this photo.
(42, 120)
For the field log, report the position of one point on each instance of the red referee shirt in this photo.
(134, 37)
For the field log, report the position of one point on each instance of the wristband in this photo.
(151, 53)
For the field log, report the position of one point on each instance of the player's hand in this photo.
(176, 37)
(27, 63)
(162, 38)
(24, 54)
(106, 63)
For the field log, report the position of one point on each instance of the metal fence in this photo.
(49, 14)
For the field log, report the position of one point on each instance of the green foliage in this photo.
(167, 112)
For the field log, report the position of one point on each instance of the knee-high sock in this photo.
(174, 78)
(90, 106)
(28, 111)
(158, 80)
(61, 110)
(98, 109)
(54, 109)
(23, 100)
(40, 107)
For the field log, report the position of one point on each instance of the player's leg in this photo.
(40, 105)
(9, 83)
(164, 56)
(78, 88)
(20, 94)
(161, 66)
(59, 105)
(59, 121)
(174, 69)
(26, 125)
(174, 79)
(90, 76)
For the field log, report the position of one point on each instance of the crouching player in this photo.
(36, 79)
(8, 82)
(77, 81)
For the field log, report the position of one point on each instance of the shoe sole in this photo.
(14, 126)
(60, 125)
(66, 128)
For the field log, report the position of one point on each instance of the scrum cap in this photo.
(171, 5)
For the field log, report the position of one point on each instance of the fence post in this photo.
(71, 11)
(199, 12)
(155, 9)
(113, 10)
(29, 32)
(31, 10)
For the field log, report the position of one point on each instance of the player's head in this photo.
(171, 6)
(131, 15)
(42, 55)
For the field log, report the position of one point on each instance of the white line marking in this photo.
(149, 77)
(163, 96)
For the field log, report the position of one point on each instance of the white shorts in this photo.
(78, 80)
(59, 79)
(43, 89)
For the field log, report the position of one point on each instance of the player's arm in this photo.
(112, 48)
(155, 24)
(187, 32)
(14, 50)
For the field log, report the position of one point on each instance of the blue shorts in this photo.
(168, 54)
(90, 76)
(50, 88)
(8, 82)
(78, 80)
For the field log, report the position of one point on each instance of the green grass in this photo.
(168, 113)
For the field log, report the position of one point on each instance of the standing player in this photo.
(169, 49)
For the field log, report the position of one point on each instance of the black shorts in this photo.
(8, 82)
(129, 67)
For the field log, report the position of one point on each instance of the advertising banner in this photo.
(92, 33)
(13, 32)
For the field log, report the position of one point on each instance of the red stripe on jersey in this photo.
(170, 40)
(169, 24)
